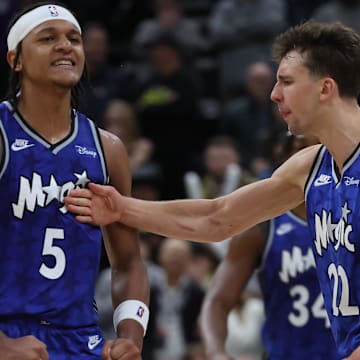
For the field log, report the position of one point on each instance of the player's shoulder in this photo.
(308, 153)
(300, 163)
(295, 171)
(116, 154)
(110, 141)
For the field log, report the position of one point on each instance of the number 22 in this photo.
(339, 275)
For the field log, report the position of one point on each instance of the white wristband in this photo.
(131, 309)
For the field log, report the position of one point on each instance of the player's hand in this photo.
(23, 348)
(99, 204)
(123, 349)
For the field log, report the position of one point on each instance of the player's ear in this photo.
(328, 86)
(11, 56)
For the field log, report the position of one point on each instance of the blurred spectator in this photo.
(156, 277)
(244, 325)
(168, 112)
(195, 351)
(345, 11)
(169, 17)
(242, 31)
(234, 23)
(85, 10)
(176, 302)
(204, 262)
(221, 175)
(147, 181)
(301, 11)
(250, 118)
(120, 119)
(105, 80)
(8, 8)
(222, 172)
(263, 165)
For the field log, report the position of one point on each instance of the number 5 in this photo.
(49, 249)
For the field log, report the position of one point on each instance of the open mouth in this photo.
(64, 63)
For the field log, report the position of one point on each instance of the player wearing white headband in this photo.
(49, 261)
(29, 21)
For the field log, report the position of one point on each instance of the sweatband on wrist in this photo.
(131, 309)
(30, 20)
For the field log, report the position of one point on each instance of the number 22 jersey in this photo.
(332, 203)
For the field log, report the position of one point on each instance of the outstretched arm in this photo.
(229, 282)
(199, 220)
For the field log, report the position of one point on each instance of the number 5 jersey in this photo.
(48, 260)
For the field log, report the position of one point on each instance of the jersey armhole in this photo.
(267, 228)
(4, 152)
(314, 168)
(100, 147)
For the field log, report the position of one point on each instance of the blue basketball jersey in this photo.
(48, 260)
(296, 325)
(333, 213)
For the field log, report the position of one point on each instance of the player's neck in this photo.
(50, 117)
(341, 134)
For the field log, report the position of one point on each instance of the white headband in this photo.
(35, 17)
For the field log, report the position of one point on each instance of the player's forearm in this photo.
(197, 220)
(132, 285)
(213, 327)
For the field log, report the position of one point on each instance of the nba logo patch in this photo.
(53, 10)
(140, 311)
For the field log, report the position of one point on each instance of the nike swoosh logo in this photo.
(15, 147)
(282, 230)
(93, 345)
(321, 182)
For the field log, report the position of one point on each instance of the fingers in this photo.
(84, 219)
(121, 349)
(78, 206)
(38, 348)
(80, 193)
(102, 190)
(106, 350)
(44, 354)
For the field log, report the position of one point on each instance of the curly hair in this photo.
(328, 49)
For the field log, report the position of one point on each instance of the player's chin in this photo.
(67, 81)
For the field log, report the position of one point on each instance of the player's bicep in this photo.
(121, 245)
(117, 162)
(120, 240)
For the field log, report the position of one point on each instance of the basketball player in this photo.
(318, 81)
(296, 324)
(48, 261)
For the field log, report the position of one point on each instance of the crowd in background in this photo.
(186, 85)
